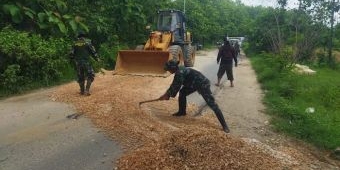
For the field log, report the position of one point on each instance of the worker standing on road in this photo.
(81, 51)
(237, 50)
(187, 81)
(225, 57)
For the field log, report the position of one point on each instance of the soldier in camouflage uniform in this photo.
(81, 51)
(187, 81)
(237, 50)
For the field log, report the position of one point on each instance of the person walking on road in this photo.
(82, 49)
(225, 57)
(237, 50)
(187, 81)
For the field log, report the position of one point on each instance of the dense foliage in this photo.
(111, 24)
(301, 32)
(27, 59)
(295, 34)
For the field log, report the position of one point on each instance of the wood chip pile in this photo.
(154, 139)
(190, 148)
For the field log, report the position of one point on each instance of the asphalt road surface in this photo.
(36, 135)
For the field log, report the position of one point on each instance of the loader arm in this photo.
(170, 41)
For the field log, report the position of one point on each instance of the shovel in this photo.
(198, 112)
(147, 101)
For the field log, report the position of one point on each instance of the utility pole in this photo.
(184, 7)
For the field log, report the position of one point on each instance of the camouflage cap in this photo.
(81, 34)
(171, 65)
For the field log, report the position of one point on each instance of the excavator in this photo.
(170, 41)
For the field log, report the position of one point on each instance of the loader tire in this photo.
(176, 53)
(140, 47)
(189, 60)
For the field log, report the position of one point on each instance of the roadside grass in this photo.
(304, 106)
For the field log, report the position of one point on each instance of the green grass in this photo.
(288, 95)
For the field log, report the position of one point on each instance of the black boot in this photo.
(182, 105)
(82, 88)
(220, 118)
(87, 89)
(179, 114)
(226, 129)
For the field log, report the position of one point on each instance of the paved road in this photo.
(36, 135)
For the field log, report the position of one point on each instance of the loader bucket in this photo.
(141, 62)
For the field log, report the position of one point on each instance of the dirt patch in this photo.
(155, 138)
(204, 149)
(113, 106)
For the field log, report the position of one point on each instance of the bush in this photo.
(11, 80)
(108, 53)
(29, 59)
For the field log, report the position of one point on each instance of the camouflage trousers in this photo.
(207, 96)
(85, 72)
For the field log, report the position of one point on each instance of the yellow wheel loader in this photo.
(169, 41)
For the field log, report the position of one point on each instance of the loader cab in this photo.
(172, 21)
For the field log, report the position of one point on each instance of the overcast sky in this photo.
(273, 3)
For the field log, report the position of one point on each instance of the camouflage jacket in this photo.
(82, 49)
(237, 47)
(187, 77)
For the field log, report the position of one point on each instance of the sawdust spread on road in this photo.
(153, 139)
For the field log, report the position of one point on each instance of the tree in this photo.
(45, 17)
(323, 12)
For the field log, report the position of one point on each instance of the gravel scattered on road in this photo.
(151, 136)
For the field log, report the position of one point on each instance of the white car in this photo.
(233, 41)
